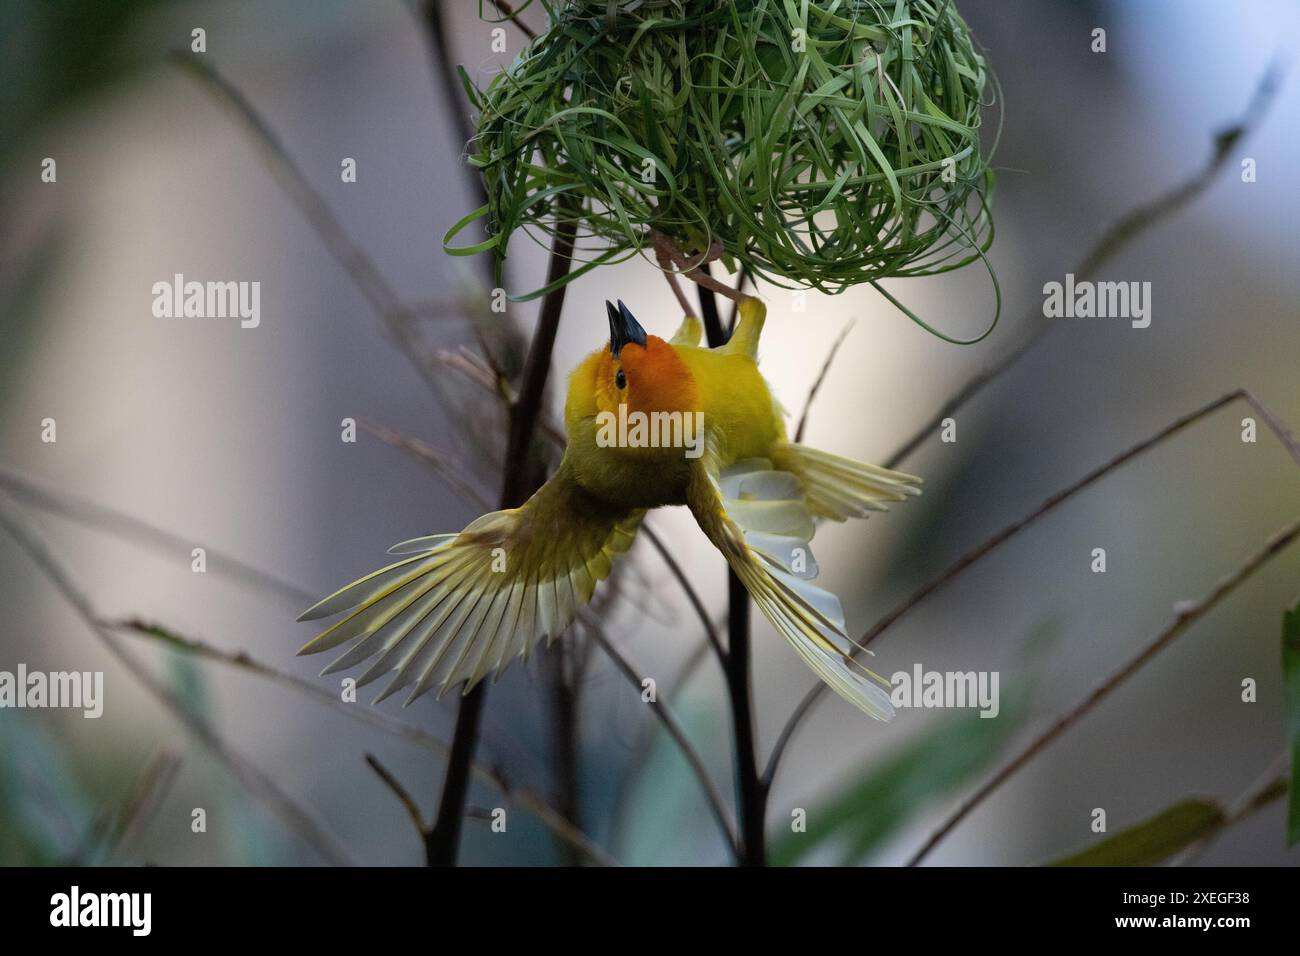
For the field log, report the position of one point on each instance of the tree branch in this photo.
(563, 829)
(821, 377)
(751, 797)
(671, 724)
(971, 557)
(1114, 239)
(1186, 616)
(370, 282)
(254, 780)
(518, 482)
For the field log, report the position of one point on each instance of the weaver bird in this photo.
(464, 605)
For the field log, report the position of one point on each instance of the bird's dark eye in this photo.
(620, 380)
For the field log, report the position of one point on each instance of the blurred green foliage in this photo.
(1155, 840)
(1291, 677)
(886, 793)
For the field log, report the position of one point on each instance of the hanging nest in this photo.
(820, 145)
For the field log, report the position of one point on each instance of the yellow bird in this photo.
(649, 423)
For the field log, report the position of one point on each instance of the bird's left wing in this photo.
(756, 516)
(465, 605)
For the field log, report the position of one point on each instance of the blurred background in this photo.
(229, 439)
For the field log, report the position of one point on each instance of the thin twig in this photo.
(667, 251)
(1274, 424)
(440, 461)
(640, 749)
(559, 826)
(254, 780)
(1117, 237)
(1187, 614)
(751, 796)
(674, 727)
(821, 377)
(518, 482)
(242, 660)
(403, 796)
(121, 524)
(710, 632)
(112, 521)
(508, 12)
(124, 525)
(1272, 784)
(399, 320)
(667, 267)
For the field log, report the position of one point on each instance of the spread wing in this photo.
(465, 605)
(757, 517)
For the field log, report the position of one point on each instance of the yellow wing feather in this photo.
(756, 516)
(465, 605)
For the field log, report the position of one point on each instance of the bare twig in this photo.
(640, 749)
(508, 12)
(666, 251)
(559, 826)
(124, 525)
(669, 719)
(241, 660)
(399, 320)
(751, 795)
(821, 377)
(1186, 616)
(254, 780)
(1114, 239)
(666, 266)
(971, 557)
(121, 524)
(442, 463)
(1271, 785)
(403, 797)
(710, 632)
(518, 482)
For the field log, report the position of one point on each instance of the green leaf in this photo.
(1291, 678)
(885, 795)
(1154, 840)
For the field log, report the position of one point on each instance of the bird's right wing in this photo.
(465, 605)
(757, 518)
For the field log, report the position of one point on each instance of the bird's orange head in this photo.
(638, 370)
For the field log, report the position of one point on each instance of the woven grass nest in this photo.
(819, 144)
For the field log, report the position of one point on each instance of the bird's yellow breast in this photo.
(737, 403)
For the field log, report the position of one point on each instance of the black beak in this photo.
(623, 328)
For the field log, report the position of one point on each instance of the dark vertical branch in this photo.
(564, 738)
(751, 798)
(522, 477)
(520, 481)
(713, 329)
